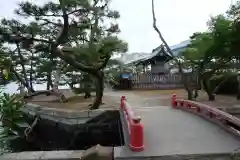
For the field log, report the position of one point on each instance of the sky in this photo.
(176, 19)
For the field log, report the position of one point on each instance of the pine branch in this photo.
(70, 59)
(22, 63)
(10, 37)
(104, 64)
(82, 10)
(64, 32)
(158, 31)
(47, 21)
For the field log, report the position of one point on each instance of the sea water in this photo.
(12, 88)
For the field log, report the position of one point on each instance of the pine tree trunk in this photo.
(22, 91)
(195, 94)
(190, 94)
(86, 85)
(238, 93)
(87, 93)
(99, 90)
(31, 75)
(49, 80)
(208, 90)
(24, 72)
(56, 79)
(55, 87)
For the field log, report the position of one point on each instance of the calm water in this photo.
(12, 87)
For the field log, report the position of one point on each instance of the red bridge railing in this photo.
(225, 120)
(134, 125)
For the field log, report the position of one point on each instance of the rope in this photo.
(29, 129)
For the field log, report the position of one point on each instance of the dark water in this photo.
(49, 135)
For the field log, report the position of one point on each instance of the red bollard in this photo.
(189, 105)
(198, 109)
(136, 142)
(174, 103)
(123, 98)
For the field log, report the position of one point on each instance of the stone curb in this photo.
(98, 152)
(34, 109)
(44, 155)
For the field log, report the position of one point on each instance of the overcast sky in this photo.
(177, 19)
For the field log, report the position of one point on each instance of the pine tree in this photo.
(71, 30)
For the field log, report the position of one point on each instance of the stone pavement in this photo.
(169, 131)
(96, 152)
(137, 100)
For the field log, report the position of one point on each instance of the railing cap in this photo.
(136, 119)
(123, 97)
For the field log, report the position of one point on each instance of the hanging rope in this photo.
(30, 128)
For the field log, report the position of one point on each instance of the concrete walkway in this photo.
(136, 101)
(174, 132)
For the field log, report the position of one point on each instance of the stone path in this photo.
(139, 101)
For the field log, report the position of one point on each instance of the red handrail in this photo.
(225, 120)
(135, 127)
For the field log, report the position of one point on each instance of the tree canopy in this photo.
(81, 34)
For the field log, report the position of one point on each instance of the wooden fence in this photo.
(151, 81)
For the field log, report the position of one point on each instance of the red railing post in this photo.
(123, 98)
(174, 102)
(136, 135)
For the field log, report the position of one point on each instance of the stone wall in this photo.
(59, 129)
(44, 155)
(68, 116)
(98, 152)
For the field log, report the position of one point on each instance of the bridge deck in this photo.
(174, 132)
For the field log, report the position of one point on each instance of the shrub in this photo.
(12, 121)
(229, 87)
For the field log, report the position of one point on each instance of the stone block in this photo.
(57, 155)
(23, 156)
(98, 153)
(79, 114)
(44, 155)
(82, 120)
(75, 114)
(45, 112)
(70, 122)
(94, 113)
(33, 106)
(77, 154)
(31, 113)
(60, 113)
(51, 118)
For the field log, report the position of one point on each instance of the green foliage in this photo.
(12, 120)
(213, 44)
(77, 26)
(224, 85)
(212, 51)
(199, 48)
(112, 77)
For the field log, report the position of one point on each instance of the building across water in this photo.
(156, 61)
(153, 69)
